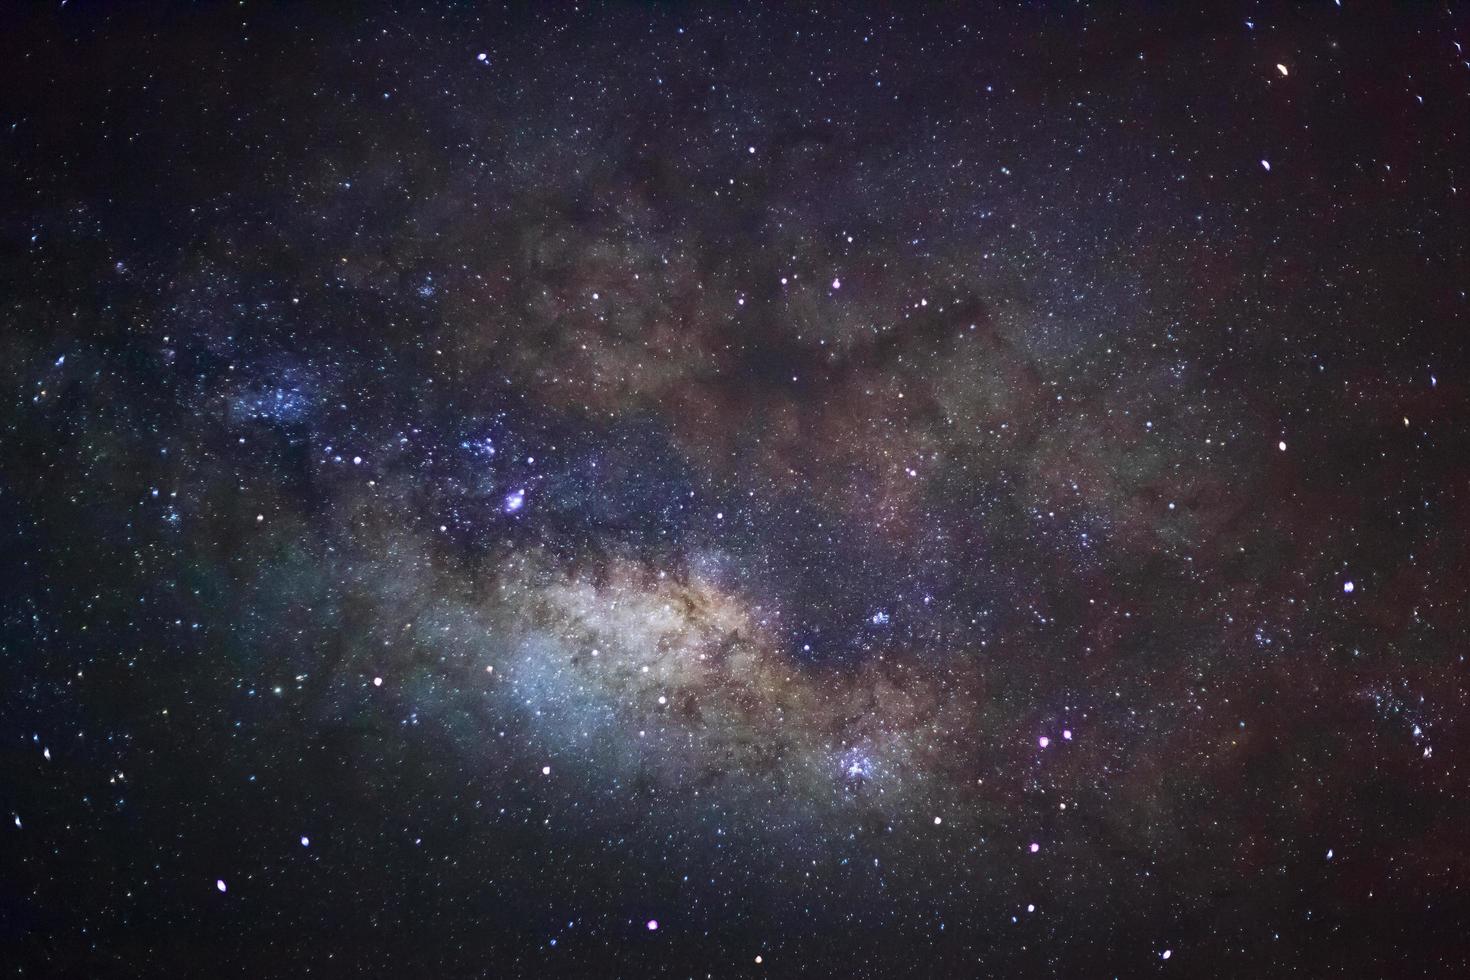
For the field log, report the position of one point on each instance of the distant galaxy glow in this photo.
(656, 490)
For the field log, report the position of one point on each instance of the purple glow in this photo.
(514, 501)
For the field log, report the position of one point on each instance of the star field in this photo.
(659, 490)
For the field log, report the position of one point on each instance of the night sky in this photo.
(647, 490)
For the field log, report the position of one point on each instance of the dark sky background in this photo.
(649, 490)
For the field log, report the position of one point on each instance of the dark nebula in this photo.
(647, 490)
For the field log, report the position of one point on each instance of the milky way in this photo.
(710, 492)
